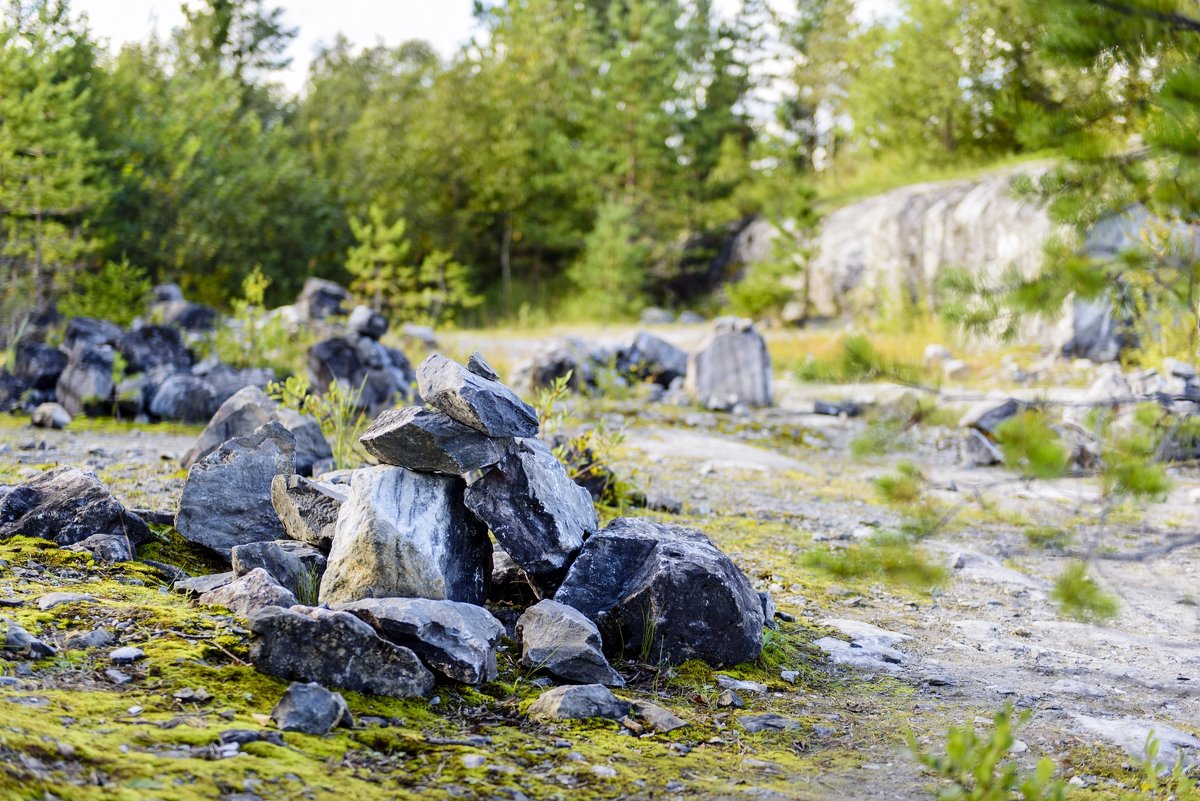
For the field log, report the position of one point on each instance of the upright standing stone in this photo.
(405, 534)
(730, 367)
(227, 497)
(480, 403)
(538, 514)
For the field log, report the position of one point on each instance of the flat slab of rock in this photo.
(666, 594)
(768, 722)
(307, 509)
(539, 515)
(226, 500)
(403, 534)
(561, 641)
(67, 505)
(456, 639)
(657, 718)
(579, 702)
(199, 585)
(248, 593)
(335, 649)
(480, 403)
(53, 599)
(430, 441)
(730, 367)
(311, 709)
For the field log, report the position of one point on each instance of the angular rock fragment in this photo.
(199, 585)
(319, 299)
(480, 367)
(38, 364)
(226, 500)
(665, 594)
(651, 357)
(430, 441)
(509, 582)
(50, 415)
(335, 649)
(296, 566)
(248, 410)
(377, 374)
(986, 416)
(67, 505)
(457, 640)
(246, 594)
(480, 403)
(365, 322)
(96, 638)
(153, 346)
(90, 331)
(561, 641)
(20, 643)
(768, 722)
(578, 702)
(730, 367)
(311, 709)
(183, 397)
(406, 535)
(308, 509)
(657, 718)
(53, 599)
(86, 385)
(538, 514)
(106, 548)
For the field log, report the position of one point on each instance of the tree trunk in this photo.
(506, 264)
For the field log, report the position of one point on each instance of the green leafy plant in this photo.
(1049, 538)
(1031, 447)
(255, 338)
(1080, 597)
(859, 360)
(117, 291)
(890, 556)
(338, 411)
(1156, 782)
(977, 768)
(882, 436)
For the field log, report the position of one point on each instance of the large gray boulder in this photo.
(665, 594)
(457, 640)
(183, 396)
(311, 709)
(477, 402)
(561, 641)
(86, 384)
(154, 346)
(379, 375)
(652, 357)
(579, 702)
(226, 500)
(248, 593)
(731, 367)
(320, 299)
(430, 441)
(67, 505)
(251, 408)
(296, 566)
(90, 331)
(538, 514)
(308, 509)
(402, 534)
(37, 364)
(335, 649)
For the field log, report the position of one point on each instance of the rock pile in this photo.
(359, 362)
(729, 369)
(410, 564)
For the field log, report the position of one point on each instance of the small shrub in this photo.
(118, 291)
(882, 436)
(254, 338)
(905, 486)
(1047, 538)
(858, 360)
(977, 767)
(1081, 598)
(891, 557)
(338, 411)
(1031, 447)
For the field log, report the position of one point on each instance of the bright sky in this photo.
(443, 23)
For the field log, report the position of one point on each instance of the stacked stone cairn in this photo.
(379, 583)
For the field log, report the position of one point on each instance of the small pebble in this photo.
(128, 655)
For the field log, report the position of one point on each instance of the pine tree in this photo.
(48, 162)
